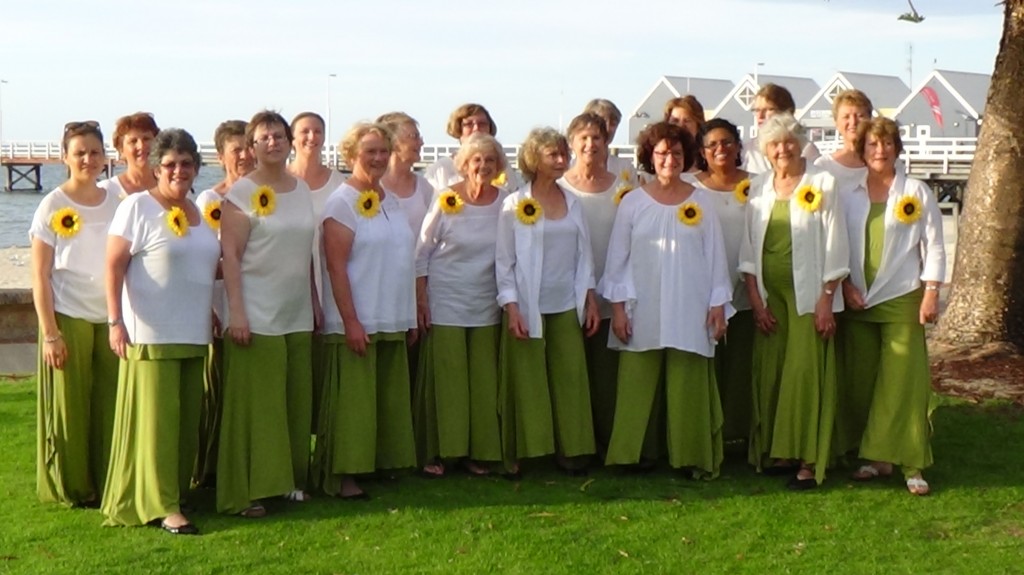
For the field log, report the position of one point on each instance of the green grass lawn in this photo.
(548, 523)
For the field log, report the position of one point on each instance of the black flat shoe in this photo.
(797, 484)
(780, 470)
(186, 529)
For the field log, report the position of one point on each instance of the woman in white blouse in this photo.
(267, 242)
(544, 269)
(456, 393)
(599, 192)
(369, 312)
(412, 190)
(719, 145)
(666, 259)
(794, 254)
(161, 263)
(77, 379)
(463, 122)
(897, 263)
(133, 137)
(850, 108)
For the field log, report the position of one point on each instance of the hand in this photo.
(119, 340)
(318, 318)
(238, 330)
(824, 321)
(412, 336)
(716, 322)
(423, 315)
(516, 323)
(621, 326)
(765, 320)
(852, 297)
(216, 326)
(356, 338)
(929, 306)
(55, 353)
(591, 318)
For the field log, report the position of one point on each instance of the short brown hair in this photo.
(228, 129)
(536, 141)
(854, 98)
(880, 128)
(349, 145)
(77, 129)
(464, 111)
(690, 103)
(586, 120)
(651, 135)
(604, 108)
(304, 115)
(266, 118)
(142, 121)
(778, 96)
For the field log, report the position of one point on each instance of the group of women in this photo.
(477, 316)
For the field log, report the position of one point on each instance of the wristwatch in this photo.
(113, 322)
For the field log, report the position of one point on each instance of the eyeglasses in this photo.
(184, 165)
(267, 138)
(70, 126)
(727, 143)
(476, 124)
(663, 154)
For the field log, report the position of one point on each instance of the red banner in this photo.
(933, 100)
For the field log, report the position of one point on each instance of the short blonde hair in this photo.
(480, 143)
(854, 98)
(349, 144)
(605, 109)
(536, 141)
(395, 120)
(464, 111)
(881, 128)
(780, 127)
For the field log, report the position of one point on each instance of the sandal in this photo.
(254, 511)
(870, 472)
(433, 470)
(918, 486)
(297, 495)
(473, 468)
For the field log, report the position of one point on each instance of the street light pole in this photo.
(757, 69)
(327, 128)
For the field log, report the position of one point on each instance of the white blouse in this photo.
(520, 254)
(442, 174)
(79, 261)
(417, 204)
(668, 273)
(168, 286)
(456, 254)
(732, 215)
(277, 259)
(911, 252)
(821, 251)
(845, 177)
(220, 298)
(319, 197)
(380, 266)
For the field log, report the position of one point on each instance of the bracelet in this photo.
(53, 338)
(113, 322)
(931, 288)
(829, 291)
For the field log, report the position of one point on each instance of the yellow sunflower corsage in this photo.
(742, 191)
(368, 204)
(625, 176)
(621, 193)
(264, 201)
(450, 202)
(177, 221)
(690, 213)
(809, 198)
(908, 209)
(212, 214)
(500, 180)
(529, 211)
(66, 222)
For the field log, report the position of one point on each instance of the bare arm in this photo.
(338, 241)
(234, 234)
(54, 348)
(118, 256)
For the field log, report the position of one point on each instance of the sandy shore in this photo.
(15, 268)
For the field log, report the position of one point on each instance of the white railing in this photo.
(931, 155)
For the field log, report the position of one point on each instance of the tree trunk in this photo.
(987, 299)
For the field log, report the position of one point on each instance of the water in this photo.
(17, 208)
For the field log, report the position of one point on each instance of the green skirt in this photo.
(209, 420)
(794, 383)
(733, 358)
(455, 403)
(544, 392)
(603, 368)
(691, 408)
(365, 415)
(265, 421)
(75, 415)
(885, 394)
(156, 432)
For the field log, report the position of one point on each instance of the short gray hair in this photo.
(780, 127)
(480, 143)
(174, 140)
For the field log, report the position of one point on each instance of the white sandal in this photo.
(869, 472)
(917, 486)
(298, 495)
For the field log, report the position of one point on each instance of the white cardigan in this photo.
(821, 251)
(911, 253)
(519, 258)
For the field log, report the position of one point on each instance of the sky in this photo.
(195, 63)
